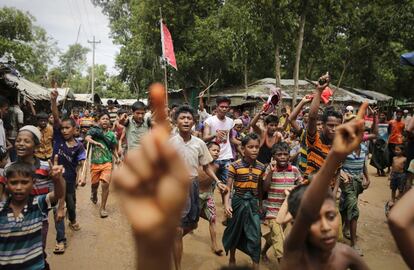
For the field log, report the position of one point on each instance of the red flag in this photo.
(167, 46)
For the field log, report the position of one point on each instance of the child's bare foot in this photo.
(218, 252)
(94, 197)
(264, 258)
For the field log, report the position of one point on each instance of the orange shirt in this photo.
(45, 148)
(397, 129)
(317, 153)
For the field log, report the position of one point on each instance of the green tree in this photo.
(73, 60)
(29, 44)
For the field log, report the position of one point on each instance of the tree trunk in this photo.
(277, 65)
(299, 44)
(344, 67)
(245, 74)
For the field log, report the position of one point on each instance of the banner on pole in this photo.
(167, 46)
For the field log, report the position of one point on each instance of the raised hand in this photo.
(154, 181)
(56, 170)
(348, 136)
(54, 95)
(325, 78)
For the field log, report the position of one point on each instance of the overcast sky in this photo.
(61, 20)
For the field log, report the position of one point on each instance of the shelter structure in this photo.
(258, 92)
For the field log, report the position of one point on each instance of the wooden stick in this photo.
(202, 92)
(86, 161)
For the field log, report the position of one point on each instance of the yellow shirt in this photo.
(45, 148)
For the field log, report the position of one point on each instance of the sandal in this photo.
(74, 226)
(59, 248)
(103, 213)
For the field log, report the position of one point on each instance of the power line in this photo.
(81, 20)
(87, 17)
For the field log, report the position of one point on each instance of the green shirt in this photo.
(102, 155)
(135, 131)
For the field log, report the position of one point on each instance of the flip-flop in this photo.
(74, 226)
(103, 214)
(59, 248)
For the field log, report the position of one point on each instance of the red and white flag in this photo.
(167, 46)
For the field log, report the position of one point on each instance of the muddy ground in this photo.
(107, 244)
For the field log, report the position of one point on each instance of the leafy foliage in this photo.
(29, 44)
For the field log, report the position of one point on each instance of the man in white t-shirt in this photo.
(217, 128)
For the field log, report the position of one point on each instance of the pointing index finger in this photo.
(362, 110)
(157, 92)
(55, 160)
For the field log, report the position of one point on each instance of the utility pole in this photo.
(93, 67)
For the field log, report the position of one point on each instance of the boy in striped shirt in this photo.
(281, 176)
(22, 215)
(243, 229)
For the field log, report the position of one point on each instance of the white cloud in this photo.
(61, 20)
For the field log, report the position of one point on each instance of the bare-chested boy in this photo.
(312, 242)
(397, 176)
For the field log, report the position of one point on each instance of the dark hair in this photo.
(280, 147)
(295, 198)
(221, 99)
(138, 105)
(70, 120)
(283, 110)
(174, 106)
(330, 113)
(210, 144)
(3, 102)
(42, 115)
(271, 118)
(184, 109)
(110, 102)
(249, 137)
(101, 114)
(75, 110)
(305, 111)
(122, 111)
(19, 168)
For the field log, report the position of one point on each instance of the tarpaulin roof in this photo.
(64, 93)
(407, 59)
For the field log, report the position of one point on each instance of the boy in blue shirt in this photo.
(71, 154)
(22, 214)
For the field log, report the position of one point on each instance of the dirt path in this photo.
(107, 243)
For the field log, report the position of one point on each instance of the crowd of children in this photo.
(302, 169)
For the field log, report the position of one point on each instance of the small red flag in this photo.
(167, 46)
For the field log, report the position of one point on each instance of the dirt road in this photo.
(107, 243)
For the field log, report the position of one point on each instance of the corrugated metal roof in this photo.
(29, 89)
(371, 94)
(260, 89)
